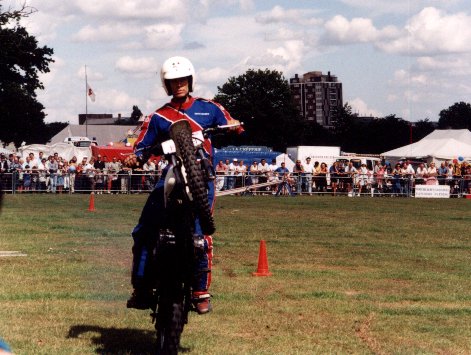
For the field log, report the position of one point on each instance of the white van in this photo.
(79, 141)
(357, 161)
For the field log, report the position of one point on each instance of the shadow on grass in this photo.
(118, 341)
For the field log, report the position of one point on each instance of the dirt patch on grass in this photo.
(363, 331)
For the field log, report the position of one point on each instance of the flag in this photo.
(91, 93)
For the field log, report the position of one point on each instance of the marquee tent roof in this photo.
(438, 145)
(103, 133)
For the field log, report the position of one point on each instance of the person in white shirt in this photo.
(231, 174)
(264, 170)
(351, 173)
(240, 172)
(432, 173)
(420, 174)
(253, 171)
(308, 167)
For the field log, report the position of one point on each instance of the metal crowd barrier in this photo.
(100, 183)
(295, 184)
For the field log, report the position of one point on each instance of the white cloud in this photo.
(433, 32)
(278, 14)
(361, 107)
(140, 67)
(163, 36)
(106, 32)
(340, 30)
(398, 7)
(134, 9)
(119, 100)
(448, 65)
(92, 74)
(212, 75)
(406, 78)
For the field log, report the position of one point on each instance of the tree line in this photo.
(260, 98)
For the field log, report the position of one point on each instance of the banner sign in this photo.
(432, 191)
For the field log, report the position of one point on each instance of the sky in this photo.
(410, 58)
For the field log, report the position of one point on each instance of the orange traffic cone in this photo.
(91, 206)
(262, 269)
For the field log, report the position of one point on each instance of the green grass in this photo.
(357, 276)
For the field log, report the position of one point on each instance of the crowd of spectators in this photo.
(307, 177)
(54, 174)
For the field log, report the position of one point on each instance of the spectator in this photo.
(342, 175)
(34, 178)
(397, 180)
(408, 174)
(240, 172)
(321, 177)
(27, 178)
(99, 181)
(162, 164)
(364, 182)
(53, 166)
(420, 174)
(149, 168)
(298, 171)
(334, 177)
(467, 177)
(264, 170)
(72, 170)
(285, 180)
(253, 172)
(350, 178)
(226, 172)
(113, 168)
(33, 161)
(42, 175)
(308, 168)
(4, 169)
(271, 174)
(432, 174)
(380, 173)
(231, 174)
(442, 173)
(124, 178)
(60, 177)
(221, 172)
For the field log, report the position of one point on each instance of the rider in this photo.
(178, 79)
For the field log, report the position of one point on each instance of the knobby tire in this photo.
(196, 181)
(169, 324)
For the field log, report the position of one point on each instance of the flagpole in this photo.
(86, 102)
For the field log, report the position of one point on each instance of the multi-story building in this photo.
(317, 96)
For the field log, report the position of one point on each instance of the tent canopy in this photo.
(440, 145)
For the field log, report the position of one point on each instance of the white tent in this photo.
(438, 146)
(284, 158)
(65, 150)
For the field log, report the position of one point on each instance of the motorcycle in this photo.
(176, 247)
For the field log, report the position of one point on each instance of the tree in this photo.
(21, 61)
(262, 100)
(422, 128)
(457, 116)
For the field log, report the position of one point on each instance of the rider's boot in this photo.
(140, 299)
(202, 302)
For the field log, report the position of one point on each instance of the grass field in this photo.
(356, 276)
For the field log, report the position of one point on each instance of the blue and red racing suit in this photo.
(201, 114)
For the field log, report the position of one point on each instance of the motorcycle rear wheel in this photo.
(196, 182)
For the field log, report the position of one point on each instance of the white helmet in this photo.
(174, 68)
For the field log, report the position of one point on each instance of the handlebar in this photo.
(157, 149)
